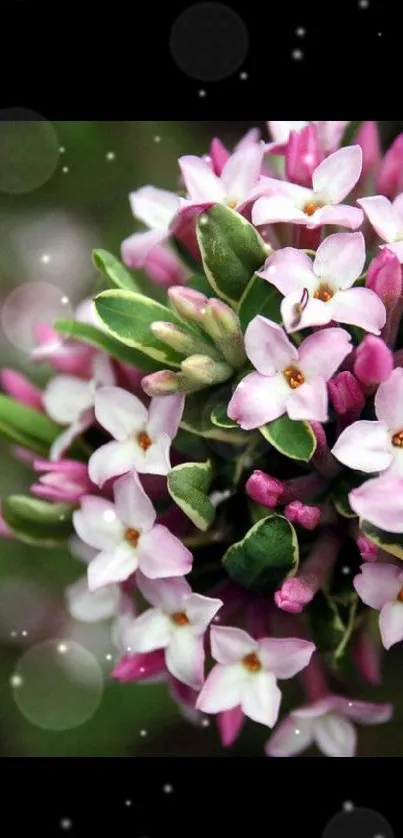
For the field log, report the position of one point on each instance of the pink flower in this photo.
(303, 155)
(65, 481)
(127, 537)
(327, 723)
(384, 277)
(143, 437)
(367, 137)
(247, 670)
(387, 220)
(373, 361)
(230, 724)
(288, 380)
(381, 587)
(326, 283)
(177, 623)
(380, 501)
(156, 208)
(377, 446)
(332, 180)
(218, 154)
(21, 389)
(330, 134)
(70, 401)
(389, 178)
(236, 185)
(92, 606)
(68, 356)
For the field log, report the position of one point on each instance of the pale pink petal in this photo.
(316, 708)
(155, 207)
(230, 723)
(261, 698)
(102, 371)
(391, 623)
(112, 460)
(398, 202)
(133, 506)
(340, 259)
(377, 584)
(268, 346)
(291, 737)
(366, 713)
(65, 397)
(137, 247)
(331, 133)
(323, 352)
(258, 399)
(280, 131)
(315, 312)
(184, 657)
(382, 216)
(241, 172)
(309, 401)
(335, 177)
(223, 688)
(62, 443)
(167, 594)
(111, 566)
(200, 181)
(290, 270)
(164, 415)
(380, 501)
(119, 412)
(97, 524)
(284, 656)
(359, 307)
(161, 554)
(270, 210)
(92, 607)
(396, 248)
(342, 214)
(156, 460)
(230, 644)
(364, 446)
(335, 736)
(250, 138)
(152, 630)
(21, 388)
(201, 610)
(389, 400)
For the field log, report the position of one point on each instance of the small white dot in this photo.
(65, 169)
(168, 789)
(205, 723)
(379, 34)
(217, 619)
(297, 54)
(345, 570)
(348, 806)
(62, 149)
(300, 32)
(45, 258)
(109, 515)
(62, 648)
(24, 633)
(128, 802)
(243, 76)
(66, 823)
(157, 139)
(202, 93)
(111, 155)
(13, 633)
(350, 703)
(108, 657)
(16, 681)
(143, 732)
(203, 223)
(363, 4)
(297, 731)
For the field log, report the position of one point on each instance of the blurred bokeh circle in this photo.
(209, 41)
(57, 685)
(29, 150)
(29, 306)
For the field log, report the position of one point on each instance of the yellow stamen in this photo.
(144, 440)
(180, 618)
(252, 662)
(397, 439)
(324, 293)
(132, 536)
(293, 377)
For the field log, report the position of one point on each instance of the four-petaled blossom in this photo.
(327, 723)
(247, 670)
(377, 446)
(332, 180)
(288, 380)
(156, 208)
(387, 220)
(177, 623)
(143, 437)
(381, 586)
(325, 284)
(380, 501)
(236, 185)
(127, 537)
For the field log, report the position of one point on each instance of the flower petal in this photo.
(396, 248)
(152, 630)
(230, 644)
(359, 307)
(335, 736)
(323, 352)
(184, 657)
(380, 501)
(258, 399)
(92, 607)
(280, 130)
(261, 698)
(342, 214)
(291, 737)
(241, 172)
(285, 656)
(289, 270)
(340, 259)
(382, 216)
(119, 412)
(62, 443)
(164, 415)
(133, 506)
(161, 554)
(309, 401)
(364, 446)
(229, 724)
(155, 207)
(270, 210)
(315, 312)
(389, 401)
(97, 523)
(112, 460)
(201, 610)
(115, 565)
(267, 346)
(136, 248)
(200, 181)
(391, 623)
(377, 584)
(367, 713)
(65, 397)
(335, 177)
(156, 460)
(223, 688)
(167, 594)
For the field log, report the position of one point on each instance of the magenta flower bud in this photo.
(190, 304)
(369, 551)
(302, 155)
(373, 361)
(385, 277)
(218, 155)
(346, 395)
(21, 389)
(162, 266)
(297, 592)
(229, 724)
(64, 481)
(305, 516)
(367, 137)
(293, 595)
(389, 180)
(139, 667)
(367, 657)
(264, 489)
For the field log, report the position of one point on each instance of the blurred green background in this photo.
(82, 204)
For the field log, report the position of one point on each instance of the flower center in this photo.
(180, 618)
(252, 663)
(312, 206)
(293, 377)
(132, 536)
(400, 595)
(324, 293)
(397, 439)
(232, 203)
(144, 440)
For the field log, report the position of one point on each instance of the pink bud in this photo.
(162, 266)
(298, 591)
(367, 137)
(5, 532)
(293, 595)
(230, 723)
(367, 658)
(320, 435)
(21, 389)
(264, 489)
(218, 155)
(302, 155)
(389, 180)
(64, 481)
(139, 667)
(368, 550)
(385, 277)
(346, 395)
(190, 304)
(302, 514)
(373, 361)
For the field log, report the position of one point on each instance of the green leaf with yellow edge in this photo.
(267, 554)
(259, 297)
(341, 489)
(36, 521)
(22, 425)
(188, 485)
(197, 419)
(391, 542)
(113, 270)
(332, 624)
(294, 439)
(86, 333)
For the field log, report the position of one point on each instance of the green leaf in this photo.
(232, 250)
(259, 297)
(199, 283)
(220, 418)
(101, 340)
(128, 316)
(197, 419)
(113, 270)
(332, 624)
(294, 439)
(341, 489)
(188, 485)
(391, 542)
(184, 255)
(22, 425)
(266, 555)
(35, 521)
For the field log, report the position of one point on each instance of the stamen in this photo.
(294, 377)
(397, 439)
(324, 293)
(252, 663)
(144, 440)
(312, 206)
(180, 618)
(400, 595)
(298, 308)
(132, 536)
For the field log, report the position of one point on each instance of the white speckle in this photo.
(66, 823)
(157, 139)
(243, 76)
(109, 515)
(297, 54)
(111, 155)
(143, 732)
(300, 32)
(350, 703)
(128, 802)
(297, 731)
(45, 258)
(379, 34)
(13, 633)
(348, 806)
(62, 648)
(65, 169)
(205, 723)
(363, 4)
(216, 619)
(62, 149)
(203, 223)
(218, 497)
(24, 633)
(202, 93)
(108, 657)
(345, 570)
(167, 789)
(142, 670)
(16, 681)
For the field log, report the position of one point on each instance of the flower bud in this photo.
(222, 324)
(293, 595)
(302, 155)
(166, 382)
(163, 267)
(305, 516)
(218, 155)
(21, 389)
(385, 277)
(389, 180)
(367, 137)
(206, 371)
(139, 667)
(264, 489)
(368, 550)
(181, 340)
(346, 395)
(189, 304)
(366, 653)
(373, 361)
